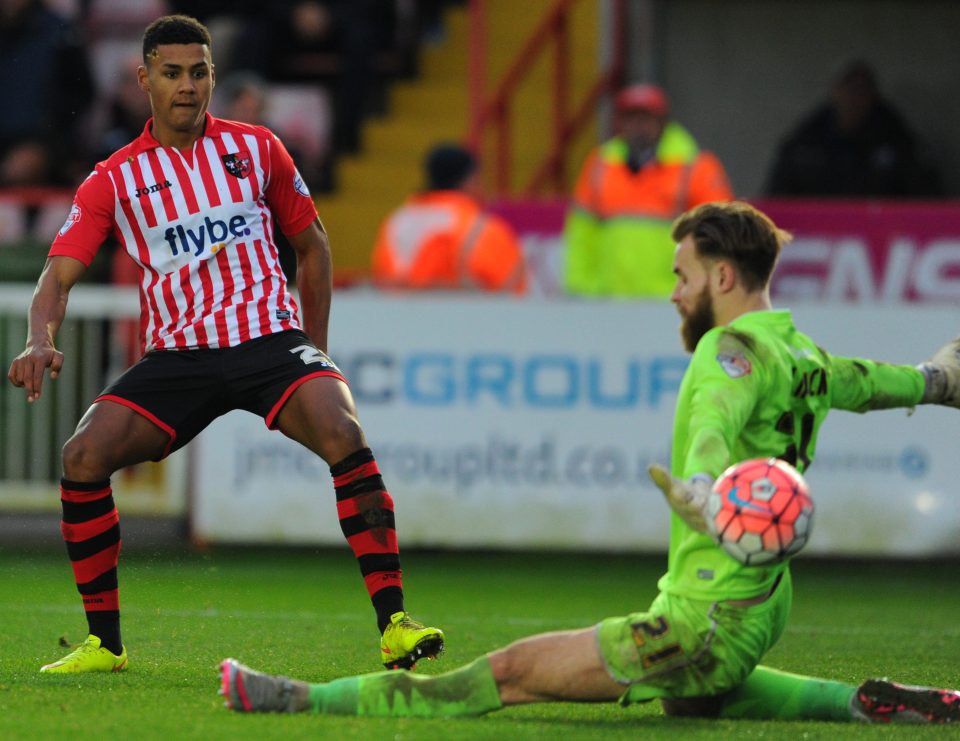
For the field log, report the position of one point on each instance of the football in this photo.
(760, 511)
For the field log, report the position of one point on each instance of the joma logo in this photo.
(148, 189)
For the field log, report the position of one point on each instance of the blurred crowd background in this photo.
(840, 118)
(852, 98)
(314, 69)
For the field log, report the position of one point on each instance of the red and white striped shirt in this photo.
(199, 226)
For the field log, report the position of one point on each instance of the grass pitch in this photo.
(305, 613)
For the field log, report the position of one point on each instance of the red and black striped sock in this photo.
(365, 509)
(91, 530)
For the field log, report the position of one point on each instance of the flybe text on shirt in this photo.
(186, 241)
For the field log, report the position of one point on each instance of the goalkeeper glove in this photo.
(941, 375)
(687, 498)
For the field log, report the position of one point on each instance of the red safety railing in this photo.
(567, 118)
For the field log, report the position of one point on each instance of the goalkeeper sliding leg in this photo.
(472, 690)
(699, 660)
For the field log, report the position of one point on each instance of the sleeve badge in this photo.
(734, 364)
(72, 218)
(300, 186)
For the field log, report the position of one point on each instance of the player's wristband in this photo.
(934, 384)
(699, 479)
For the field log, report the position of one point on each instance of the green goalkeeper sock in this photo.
(338, 697)
(470, 690)
(775, 695)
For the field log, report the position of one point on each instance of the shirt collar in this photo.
(145, 142)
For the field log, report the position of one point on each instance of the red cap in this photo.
(643, 97)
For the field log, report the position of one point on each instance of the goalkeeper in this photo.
(756, 387)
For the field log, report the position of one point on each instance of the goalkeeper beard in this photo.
(699, 321)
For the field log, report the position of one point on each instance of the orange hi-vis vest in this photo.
(617, 233)
(444, 240)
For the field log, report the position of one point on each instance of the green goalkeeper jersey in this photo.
(758, 388)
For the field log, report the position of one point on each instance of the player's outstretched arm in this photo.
(687, 498)
(941, 375)
(47, 310)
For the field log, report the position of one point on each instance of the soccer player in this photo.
(756, 387)
(194, 200)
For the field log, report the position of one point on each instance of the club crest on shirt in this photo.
(238, 164)
(734, 364)
(72, 218)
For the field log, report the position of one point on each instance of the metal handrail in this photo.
(494, 111)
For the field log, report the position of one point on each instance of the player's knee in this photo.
(83, 460)
(507, 668)
(345, 433)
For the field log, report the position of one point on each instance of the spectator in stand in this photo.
(26, 162)
(236, 24)
(631, 188)
(244, 97)
(328, 42)
(854, 144)
(122, 115)
(443, 239)
(46, 76)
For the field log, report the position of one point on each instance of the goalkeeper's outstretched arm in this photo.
(861, 385)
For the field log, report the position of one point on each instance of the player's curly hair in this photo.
(174, 29)
(737, 232)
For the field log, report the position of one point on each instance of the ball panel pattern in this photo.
(760, 511)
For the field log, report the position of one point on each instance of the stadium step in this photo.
(433, 108)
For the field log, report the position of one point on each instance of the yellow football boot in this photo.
(405, 642)
(88, 657)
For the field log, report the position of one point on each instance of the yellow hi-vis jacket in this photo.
(617, 232)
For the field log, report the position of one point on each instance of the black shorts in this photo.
(183, 391)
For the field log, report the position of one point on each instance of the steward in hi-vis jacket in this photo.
(631, 188)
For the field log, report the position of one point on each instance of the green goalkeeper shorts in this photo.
(690, 648)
